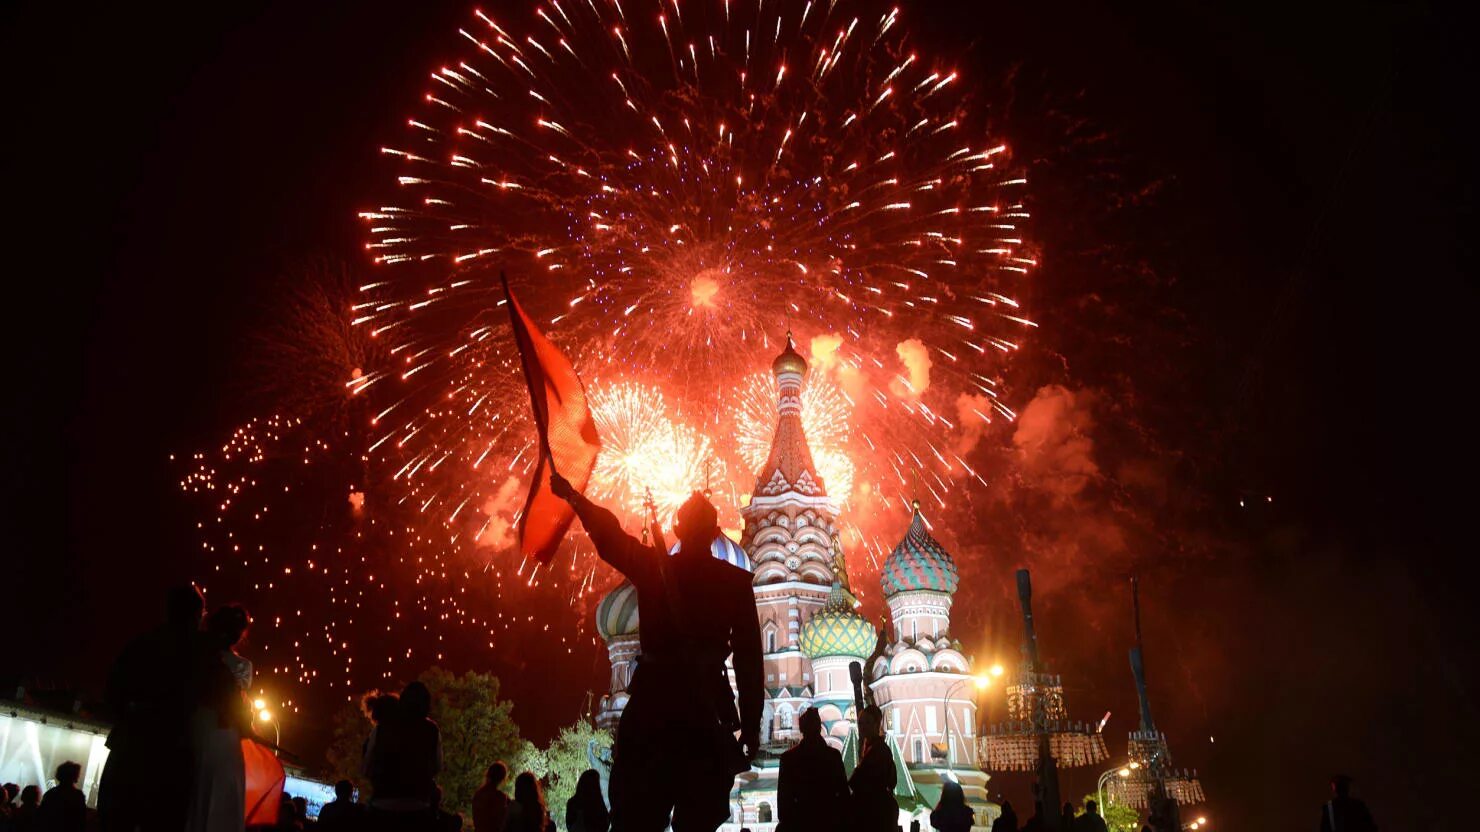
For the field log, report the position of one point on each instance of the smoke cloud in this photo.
(916, 359)
(1053, 442)
(825, 351)
(500, 510)
(972, 419)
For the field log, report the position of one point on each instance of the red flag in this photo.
(567, 434)
(265, 781)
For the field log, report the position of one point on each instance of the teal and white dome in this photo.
(616, 615)
(918, 563)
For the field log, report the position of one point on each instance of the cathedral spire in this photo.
(789, 468)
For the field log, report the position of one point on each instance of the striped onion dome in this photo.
(616, 615)
(725, 549)
(837, 629)
(918, 563)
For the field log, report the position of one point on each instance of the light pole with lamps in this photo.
(982, 682)
(1122, 771)
(259, 706)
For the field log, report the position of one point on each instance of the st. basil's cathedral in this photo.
(811, 631)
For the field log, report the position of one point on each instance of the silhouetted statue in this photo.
(812, 788)
(342, 814)
(1344, 813)
(586, 811)
(490, 804)
(151, 694)
(675, 752)
(951, 814)
(872, 807)
(1090, 821)
(63, 807)
(1007, 821)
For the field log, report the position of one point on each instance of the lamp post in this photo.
(1122, 771)
(259, 707)
(982, 682)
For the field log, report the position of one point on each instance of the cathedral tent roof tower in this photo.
(789, 467)
(790, 521)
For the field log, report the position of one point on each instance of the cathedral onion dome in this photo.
(725, 549)
(789, 361)
(616, 615)
(837, 629)
(918, 563)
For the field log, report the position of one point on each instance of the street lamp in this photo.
(265, 716)
(982, 682)
(1123, 771)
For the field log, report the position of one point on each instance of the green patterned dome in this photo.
(616, 615)
(918, 562)
(836, 629)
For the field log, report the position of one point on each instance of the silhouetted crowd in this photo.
(63, 808)
(176, 759)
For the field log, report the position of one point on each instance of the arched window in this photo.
(770, 640)
(784, 719)
(763, 813)
(919, 747)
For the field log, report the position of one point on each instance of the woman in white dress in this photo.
(221, 720)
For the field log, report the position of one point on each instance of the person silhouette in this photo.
(220, 720)
(675, 757)
(812, 786)
(872, 807)
(1090, 821)
(342, 814)
(586, 811)
(951, 814)
(490, 804)
(1066, 817)
(151, 694)
(1344, 813)
(1007, 821)
(529, 813)
(405, 756)
(63, 807)
(23, 819)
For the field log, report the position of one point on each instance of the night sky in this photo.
(1255, 269)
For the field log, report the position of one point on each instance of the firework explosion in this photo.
(670, 187)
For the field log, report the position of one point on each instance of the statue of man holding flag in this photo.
(676, 753)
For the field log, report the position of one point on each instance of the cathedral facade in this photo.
(811, 631)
